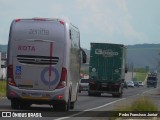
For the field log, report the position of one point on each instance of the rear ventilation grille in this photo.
(37, 60)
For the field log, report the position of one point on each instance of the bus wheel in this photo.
(24, 105)
(62, 106)
(72, 105)
(15, 104)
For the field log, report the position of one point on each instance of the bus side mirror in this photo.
(84, 56)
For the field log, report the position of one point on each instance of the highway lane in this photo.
(83, 99)
(85, 102)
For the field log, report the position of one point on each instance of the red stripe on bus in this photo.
(51, 48)
(50, 67)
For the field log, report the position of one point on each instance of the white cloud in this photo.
(132, 35)
(122, 4)
(104, 18)
(109, 17)
(98, 15)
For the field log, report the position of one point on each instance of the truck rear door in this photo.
(106, 62)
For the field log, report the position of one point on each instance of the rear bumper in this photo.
(108, 88)
(98, 91)
(37, 96)
(151, 85)
(83, 88)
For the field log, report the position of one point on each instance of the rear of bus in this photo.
(36, 62)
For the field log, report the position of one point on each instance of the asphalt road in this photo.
(87, 103)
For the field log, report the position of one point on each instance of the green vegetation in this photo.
(2, 88)
(140, 104)
(84, 71)
(140, 76)
(142, 70)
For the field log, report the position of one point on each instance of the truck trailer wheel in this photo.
(89, 93)
(98, 94)
(119, 94)
(94, 94)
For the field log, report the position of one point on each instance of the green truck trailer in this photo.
(107, 69)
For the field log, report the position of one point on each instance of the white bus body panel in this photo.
(38, 50)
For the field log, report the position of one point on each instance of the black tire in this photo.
(98, 94)
(90, 94)
(117, 95)
(15, 104)
(94, 94)
(63, 107)
(24, 105)
(72, 105)
(114, 95)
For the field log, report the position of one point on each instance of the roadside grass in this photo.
(2, 88)
(140, 76)
(141, 104)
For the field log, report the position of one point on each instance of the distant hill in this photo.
(136, 46)
(143, 55)
(3, 48)
(140, 55)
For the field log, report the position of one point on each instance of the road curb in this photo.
(3, 98)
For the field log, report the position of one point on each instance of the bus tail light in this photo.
(60, 97)
(17, 20)
(10, 76)
(62, 22)
(63, 80)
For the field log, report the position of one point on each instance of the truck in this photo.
(152, 80)
(107, 68)
(41, 53)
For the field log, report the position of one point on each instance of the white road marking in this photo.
(3, 97)
(148, 90)
(62, 118)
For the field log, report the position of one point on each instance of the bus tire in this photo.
(15, 104)
(72, 105)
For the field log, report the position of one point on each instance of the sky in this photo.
(125, 22)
